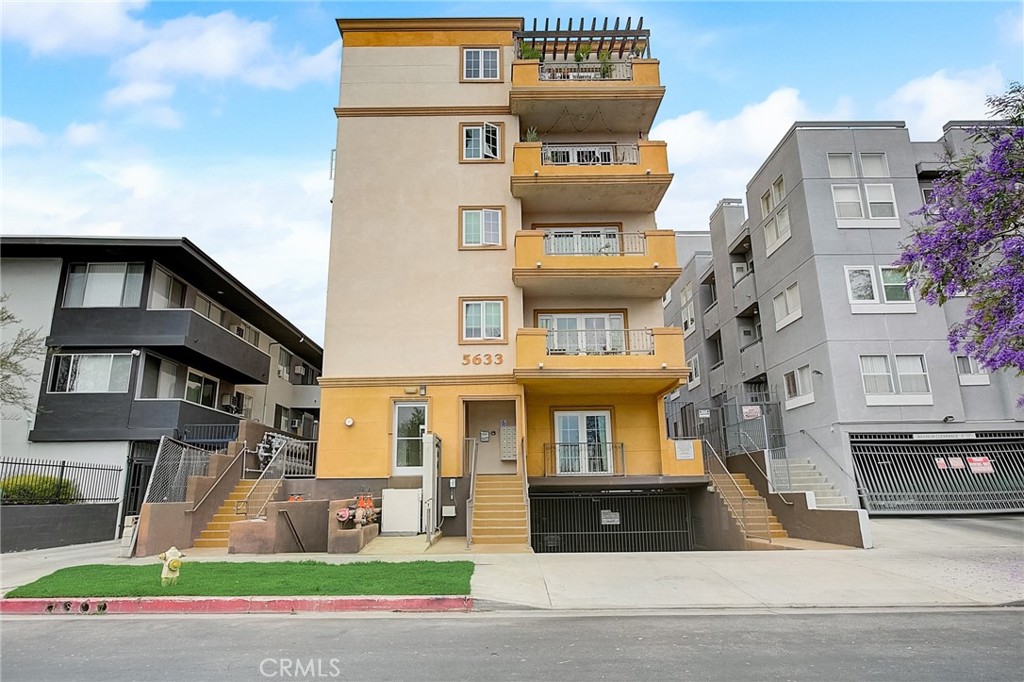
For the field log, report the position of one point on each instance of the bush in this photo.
(37, 489)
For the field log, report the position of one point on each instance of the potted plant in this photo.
(605, 57)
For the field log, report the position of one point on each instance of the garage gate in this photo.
(610, 521)
(903, 473)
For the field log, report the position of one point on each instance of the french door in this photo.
(583, 443)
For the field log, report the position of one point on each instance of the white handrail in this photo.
(472, 443)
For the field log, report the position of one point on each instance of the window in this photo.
(694, 362)
(408, 429)
(778, 190)
(209, 309)
(874, 370)
(284, 363)
(767, 204)
(593, 333)
(483, 320)
(201, 389)
(689, 322)
(894, 286)
(480, 63)
(103, 285)
(166, 290)
(481, 142)
(841, 166)
(247, 332)
(787, 306)
(860, 284)
(881, 202)
(799, 389)
(912, 373)
(667, 298)
(911, 387)
(159, 379)
(739, 271)
(847, 201)
(776, 231)
(481, 227)
(970, 372)
(90, 373)
(874, 166)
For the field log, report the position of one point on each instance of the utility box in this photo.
(401, 511)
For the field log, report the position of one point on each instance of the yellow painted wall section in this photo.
(364, 450)
(637, 422)
(531, 349)
(661, 249)
(670, 466)
(653, 157)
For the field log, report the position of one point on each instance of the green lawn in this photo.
(285, 578)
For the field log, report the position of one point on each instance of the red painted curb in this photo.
(200, 605)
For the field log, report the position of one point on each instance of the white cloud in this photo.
(14, 133)
(137, 92)
(1011, 27)
(714, 159)
(82, 134)
(72, 27)
(927, 103)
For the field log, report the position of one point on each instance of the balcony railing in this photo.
(600, 342)
(563, 71)
(591, 242)
(584, 459)
(555, 154)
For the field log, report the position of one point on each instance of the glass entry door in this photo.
(583, 443)
(410, 425)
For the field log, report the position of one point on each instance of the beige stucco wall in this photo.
(641, 313)
(631, 222)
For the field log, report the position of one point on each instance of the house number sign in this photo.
(482, 359)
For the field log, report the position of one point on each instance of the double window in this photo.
(481, 227)
(868, 293)
(773, 197)
(90, 373)
(881, 198)
(166, 290)
(481, 141)
(776, 230)
(787, 306)
(483, 320)
(481, 63)
(799, 389)
(909, 387)
(103, 285)
(201, 389)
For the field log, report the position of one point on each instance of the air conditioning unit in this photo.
(227, 400)
(300, 370)
(296, 423)
(238, 329)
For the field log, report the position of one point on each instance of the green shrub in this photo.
(37, 489)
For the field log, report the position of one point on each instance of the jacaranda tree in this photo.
(968, 239)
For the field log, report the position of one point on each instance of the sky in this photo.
(214, 120)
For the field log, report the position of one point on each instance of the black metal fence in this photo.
(37, 481)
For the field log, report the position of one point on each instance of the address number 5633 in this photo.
(482, 359)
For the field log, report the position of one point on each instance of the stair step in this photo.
(202, 542)
(228, 518)
(209, 534)
(218, 525)
(496, 538)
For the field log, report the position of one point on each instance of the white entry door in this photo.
(583, 443)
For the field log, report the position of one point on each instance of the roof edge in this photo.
(431, 24)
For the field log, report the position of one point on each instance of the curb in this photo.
(220, 605)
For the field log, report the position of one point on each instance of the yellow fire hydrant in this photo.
(172, 563)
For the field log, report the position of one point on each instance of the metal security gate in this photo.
(140, 467)
(941, 473)
(633, 521)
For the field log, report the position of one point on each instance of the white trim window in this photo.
(860, 284)
(483, 320)
(840, 165)
(409, 425)
(481, 227)
(876, 375)
(103, 285)
(767, 204)
(846, 199)
(208, 309)
(90, 373)
(694, 363)
(894, 286)
(667, 298)
(874, 165)
(881, 201)
(688, 318)
(776, 231)
(165, 290)
(910, 387)
(481, 142)
(912, 372)
(787, 306)
(799, 388)
(480, 63)
(870, 294)
(778, 190)
(970, 372)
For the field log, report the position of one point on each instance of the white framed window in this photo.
(847, 201)
(694, 362)
(739, 271)
(970, 372)
(776, 231)
(767, 204)
(666, 299)
(894, 286)
(912, 372)
(877, 377)
(840, 165)
(799, 389)
(787, 306)
(410, 423)
(881, 201)
(481, 227)
(480, 63)
(103, 285)
(873, 165)
(284, 363)
(689, 321)
(483, 320)
(208, 309)
(165, 290)
(481, 142)
(778, 190)
(90, 373)
(860, 284)
(201, 389)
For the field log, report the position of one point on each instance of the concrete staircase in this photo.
(216, 532)
(805, 477)
(499, 511)
(756, 519)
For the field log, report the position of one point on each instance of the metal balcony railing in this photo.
(555, 154)
(584, 459)
(565, 71)
(594, 242)
(600, 342)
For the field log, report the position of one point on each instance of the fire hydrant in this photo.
(172, 564)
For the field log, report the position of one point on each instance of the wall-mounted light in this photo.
(648, 171)
(657, 265)
(948, 418)
(664, 365)
(538, 265)
(817, 373)
(540, 365)
(536, 173)
(349, 421)
(423, 389)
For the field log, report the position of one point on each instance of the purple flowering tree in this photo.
(969, 239)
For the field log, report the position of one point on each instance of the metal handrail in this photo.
(723, 479)
(613, 71)
(473, 446)
(559, 154)
(615, 452)
(228, 468)
(593, 241)
(768, 480)
(600, 342)
(276, 468)
(521, 468)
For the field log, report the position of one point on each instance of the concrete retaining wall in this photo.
(38, 526)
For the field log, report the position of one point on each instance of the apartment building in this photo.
(798, 324)
(496, 281)
(147, 337)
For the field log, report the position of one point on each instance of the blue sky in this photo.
(214, 120)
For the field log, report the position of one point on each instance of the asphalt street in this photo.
(892, 645)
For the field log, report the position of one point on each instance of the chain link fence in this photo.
(175, 463)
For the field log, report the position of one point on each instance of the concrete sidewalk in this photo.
(965, 561)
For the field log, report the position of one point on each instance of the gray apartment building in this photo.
(796, 322)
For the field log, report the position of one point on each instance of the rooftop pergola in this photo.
(557, 43)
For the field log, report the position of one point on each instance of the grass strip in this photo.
(251, 579)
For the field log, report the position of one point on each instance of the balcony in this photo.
(584, 459)
(712, 319)
(644, 361)
(590, 177)
(555, 96)
(752, 359)
(589, 261)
